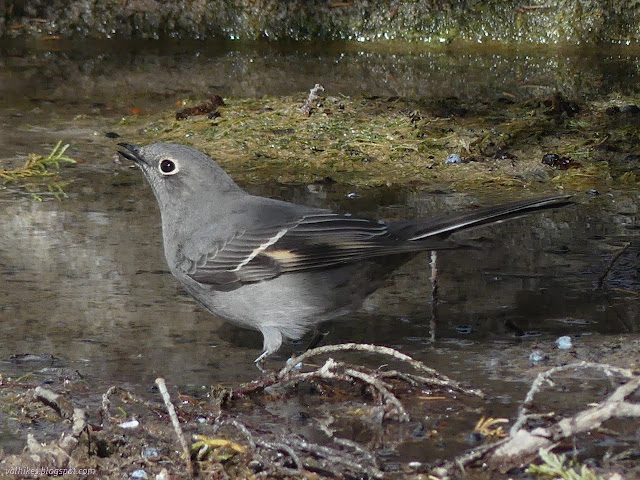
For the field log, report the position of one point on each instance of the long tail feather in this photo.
(445, 225)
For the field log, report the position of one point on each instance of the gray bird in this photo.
(279, 267)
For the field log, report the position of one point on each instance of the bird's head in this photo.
(180, 176)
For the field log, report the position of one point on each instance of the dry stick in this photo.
(388, 397)
(245, 431)
(545, 437)
(79, 425)
(106, 401)
(59, 403)
(176, 423)
(379, 349)
(311, 99)
(66, 410)
(524, 442)
(277, 446)
(363, 347)
(333, 455)
(327, 371)
(543, 377)
(417, 380)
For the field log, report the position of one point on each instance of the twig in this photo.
(79, 425)
(330, 371)
(125, 394)
(55, 401)
(278, 446)
(362, 347)
(526, 443)
(244, 430)
(543, 378)
(381, 350)
(433, 277)
(381, 388)
(307, 107)
(335, 456)
(416, 380)
(176, 423)
(522, 442)
(610, 265)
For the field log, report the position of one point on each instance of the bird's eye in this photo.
(168, 167)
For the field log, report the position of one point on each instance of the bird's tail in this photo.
(442, 226)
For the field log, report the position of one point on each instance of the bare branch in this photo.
(176, 423)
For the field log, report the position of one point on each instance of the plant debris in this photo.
(210, 109)
(226, 442)
(41, 166)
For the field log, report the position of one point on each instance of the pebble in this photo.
(150, 452)
(537, 357)
(564, 343)
(130, 424)
(453, 158)
(551, 159)
(632, 109)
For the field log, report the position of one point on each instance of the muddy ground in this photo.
(239, 431)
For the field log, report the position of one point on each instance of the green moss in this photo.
(371, 141)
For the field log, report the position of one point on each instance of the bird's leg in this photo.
(260, 361)
(272, 339)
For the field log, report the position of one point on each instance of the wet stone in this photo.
(454, 158)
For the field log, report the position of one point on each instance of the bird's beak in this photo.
(134, 154)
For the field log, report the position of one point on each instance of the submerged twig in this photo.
(433, 277)
(610, 264)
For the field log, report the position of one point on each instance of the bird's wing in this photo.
(323, 239)
(313, 241)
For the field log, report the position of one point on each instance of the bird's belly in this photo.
(292, 303)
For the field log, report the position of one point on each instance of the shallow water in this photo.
(84, 279)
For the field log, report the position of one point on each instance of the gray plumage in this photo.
(275, 266)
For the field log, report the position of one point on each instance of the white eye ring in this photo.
(168, 167)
